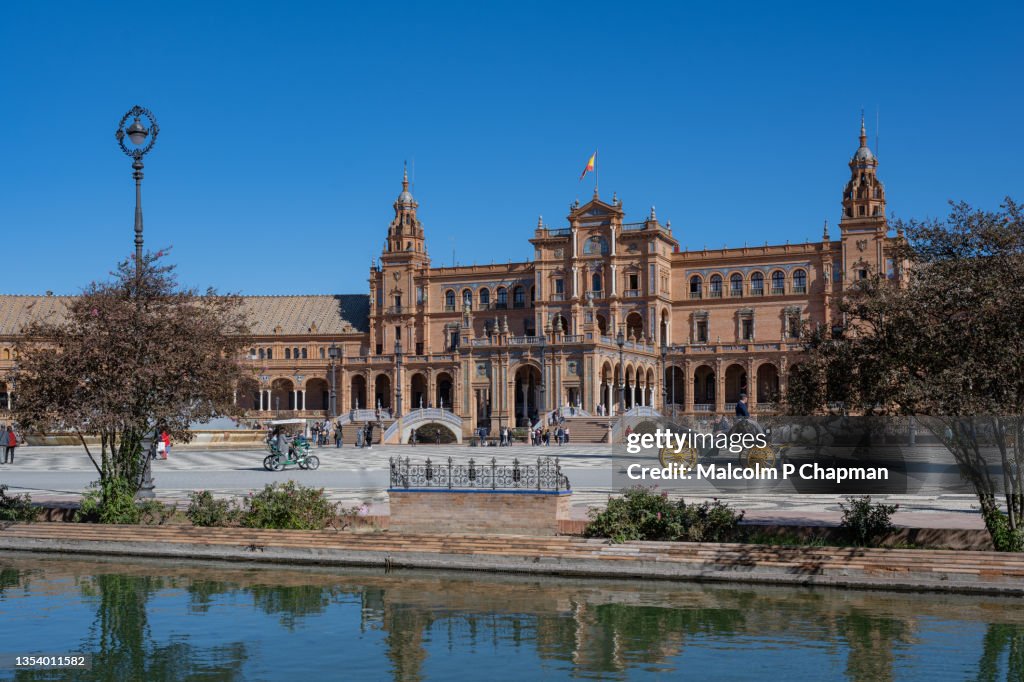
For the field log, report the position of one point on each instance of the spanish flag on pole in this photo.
(589, 167)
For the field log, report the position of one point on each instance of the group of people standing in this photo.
(9, 439)
(542, 436)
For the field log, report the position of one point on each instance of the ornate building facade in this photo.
(609, 312)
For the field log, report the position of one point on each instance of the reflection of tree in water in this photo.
(12, 577)
(293, 602)
(612, 637)
(405, 626)
(873, 641)
(122, 647)
(1002, 639)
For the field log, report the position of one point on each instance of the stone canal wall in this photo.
(938, 570)
(478, 511)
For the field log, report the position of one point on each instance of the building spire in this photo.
(863, 131)
(405, 166)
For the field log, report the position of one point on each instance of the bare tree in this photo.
(131, 356)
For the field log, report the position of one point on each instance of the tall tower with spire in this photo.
(863, 226)
(405, 234)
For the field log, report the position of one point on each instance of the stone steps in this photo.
(587, 429)
(906, 569)
(348, 431)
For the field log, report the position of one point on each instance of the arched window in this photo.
(485, 297)
(263, 354)
(695, 286)
(800, 281)
(287, 353)
(715, 284)
(467, 299)
(519, 297)
(736, 284)
(502, 297)
(778, 282)
(295, 353)
(595, 282)
(252, 353)
(270, 354)
(305, 353)
(321, 353)
(533, 295)
(595, 245)
(449, 300)
(757, 284)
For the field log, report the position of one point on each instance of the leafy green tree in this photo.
(945, 344)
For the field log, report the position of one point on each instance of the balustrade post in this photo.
(449, 473)
(494, 474)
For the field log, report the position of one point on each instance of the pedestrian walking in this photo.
(360, 434)
(166, 440)
(369, 435)
(337, 436)
(3, 441)
(12, 442)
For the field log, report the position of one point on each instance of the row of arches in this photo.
(483, 298)
(283, 393)
(704, 385)
(754, 285)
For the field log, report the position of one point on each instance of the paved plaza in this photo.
(360, 476)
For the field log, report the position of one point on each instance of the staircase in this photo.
(587, 429)
(348, 431)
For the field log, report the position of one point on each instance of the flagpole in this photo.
(597, 172)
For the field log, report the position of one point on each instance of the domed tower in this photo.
(863, 225)
(864, 196)
(405, 234)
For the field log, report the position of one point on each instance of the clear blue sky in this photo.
(284, 125)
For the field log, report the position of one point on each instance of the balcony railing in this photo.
(778, 291)
(449, 307)
(632, 293)
(633, 227)
(799, 290)
(715, 293)
(696, 294)
(736, 292)
(703, 407)
(757, 291)
(526, 340)
(558, 297)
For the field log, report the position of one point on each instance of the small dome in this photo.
(864, 154)
(406, 197)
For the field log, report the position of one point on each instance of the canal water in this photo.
(214, 621)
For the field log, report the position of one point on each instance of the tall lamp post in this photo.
(335, 354)
(136, 146)
(398, 379)
(620, 341)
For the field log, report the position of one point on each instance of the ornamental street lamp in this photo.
(398, 378)
(136, 148)
(335, 355)
(620, 341)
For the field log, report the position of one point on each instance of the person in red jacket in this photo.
(10, 443)
(167, 443)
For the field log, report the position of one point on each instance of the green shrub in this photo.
(205, 510)
(642, 514)
(110, 500)
(16, 507)
(1004, 538)
(154, 513)
(287, 505)
(863, 522)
